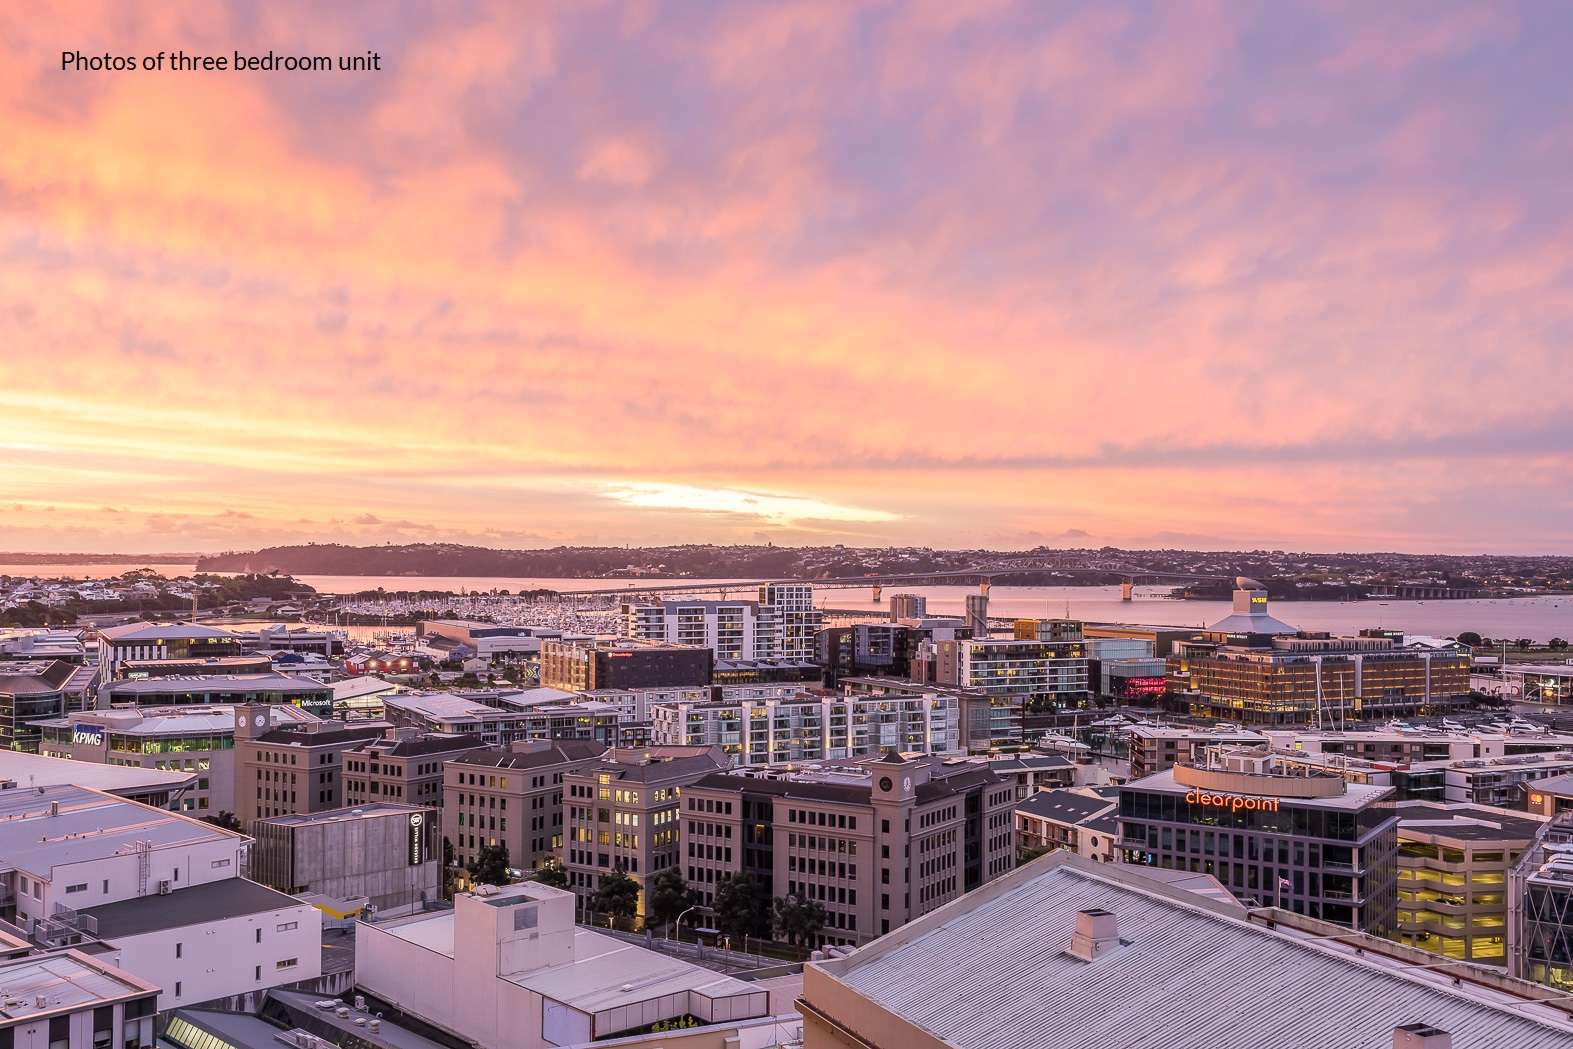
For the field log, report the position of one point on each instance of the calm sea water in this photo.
(1538, 618)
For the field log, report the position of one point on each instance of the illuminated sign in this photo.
(92, 735)
(1232, 802)
(417, 839)
(1259, 599)
(1143, 686)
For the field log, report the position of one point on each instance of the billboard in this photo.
(416, 850)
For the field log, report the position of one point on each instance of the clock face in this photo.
(259, 720)
(885, 784)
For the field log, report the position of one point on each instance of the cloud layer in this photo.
(1288, 275)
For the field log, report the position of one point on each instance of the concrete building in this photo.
(488, 641)
(153, 892)
(280, 637)
(907, 606)
(138, 669)
(385, 853)
(71, 1000)
(580, 666)
(297, 768)
(1311, 843)
(1113, 957)
(511, 796)
(403, 766)
(159, 641)
(811, 726)
(1453, 864)
(865, 649)
(508, 969)
(620, 813)
(1504, 782)
(197, 740)
(1083, 820)
(1154, 748)
(208, 689)
(1548, 683)
(876, 842)
(1549, 797)
(978, 615)
(1033, 772)
(159, 789)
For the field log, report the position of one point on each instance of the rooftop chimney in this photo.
(1421, 1036)
(1097, 933)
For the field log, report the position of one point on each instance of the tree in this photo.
(796, 920)
(1524, 644)
(491, 865)
(667, 895)
(225, 819)
(742, 907)
(450, 870)
(551, 873)
(1557, 644)
(617, 896)
(1469, 637)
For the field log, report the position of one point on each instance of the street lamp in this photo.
(679, 922)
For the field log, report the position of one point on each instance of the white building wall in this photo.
(115, 878)
(226, 957)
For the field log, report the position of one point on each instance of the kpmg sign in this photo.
(92, 735)
(417, 849)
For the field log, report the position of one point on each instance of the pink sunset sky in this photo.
(956, 274)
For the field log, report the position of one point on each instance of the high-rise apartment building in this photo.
(812, 726)
(978, 615)
(620, 813)
(876, 842)
(908, 606)
(781, 625)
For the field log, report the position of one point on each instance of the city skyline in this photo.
(1201, 276)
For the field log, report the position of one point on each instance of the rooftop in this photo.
(1067, 805)
(162, 632)
(197, 905)
(66, 982)
(214, 683)
(558, 752)
(1467, 822)
(992, 971)
(41, 770)
(90, 825)
(347, 814)
(1354, 796)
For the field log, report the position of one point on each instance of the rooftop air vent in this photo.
(1097, 933)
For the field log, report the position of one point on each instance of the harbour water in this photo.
(1537, 618)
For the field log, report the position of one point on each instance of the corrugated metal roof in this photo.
(996, 976)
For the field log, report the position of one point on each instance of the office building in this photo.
(71, 1000)
(511, 796)
(197, 740)
(1084, 820)
(159, 641)
(138, 669)
(876, 842)
(1407, 746)
(580, 666)
(1504, 782)
(507, 968)
(864, 650)
(280, 637)
(450, 713)
(292, 768)
(1154, 748)
(1068, 953)
(206, 690)
(63, 644)
(1549, 797)
(1311, 843)
(1047, 630)
(387, 854)
(1540, 908)
(811, 726)
(1030, 772)
(1549, 683)
(31, 692)
(402, 766)
(1158, 640)
(1255, 669)
(620, 813)
(153, 892)
(1453, 864)
(908, 607)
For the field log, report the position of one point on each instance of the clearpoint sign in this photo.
(1232, 802)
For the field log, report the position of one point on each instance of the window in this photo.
(77, 888)
(286, 926)
(286, 963)
(180, 950)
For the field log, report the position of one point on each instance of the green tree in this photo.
(551, 873)
(225, 819)
(1030, 854)
(797, 921)
(742, 907)
(617, 896)
(1524, 644)
(666, 896)
(1469, 637)
(491, 865)
(1557, 644)
(450, 870)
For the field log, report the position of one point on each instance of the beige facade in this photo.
(403, 767)
(876, 843)
(511, 796)
(291, 769)
(621, 813)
